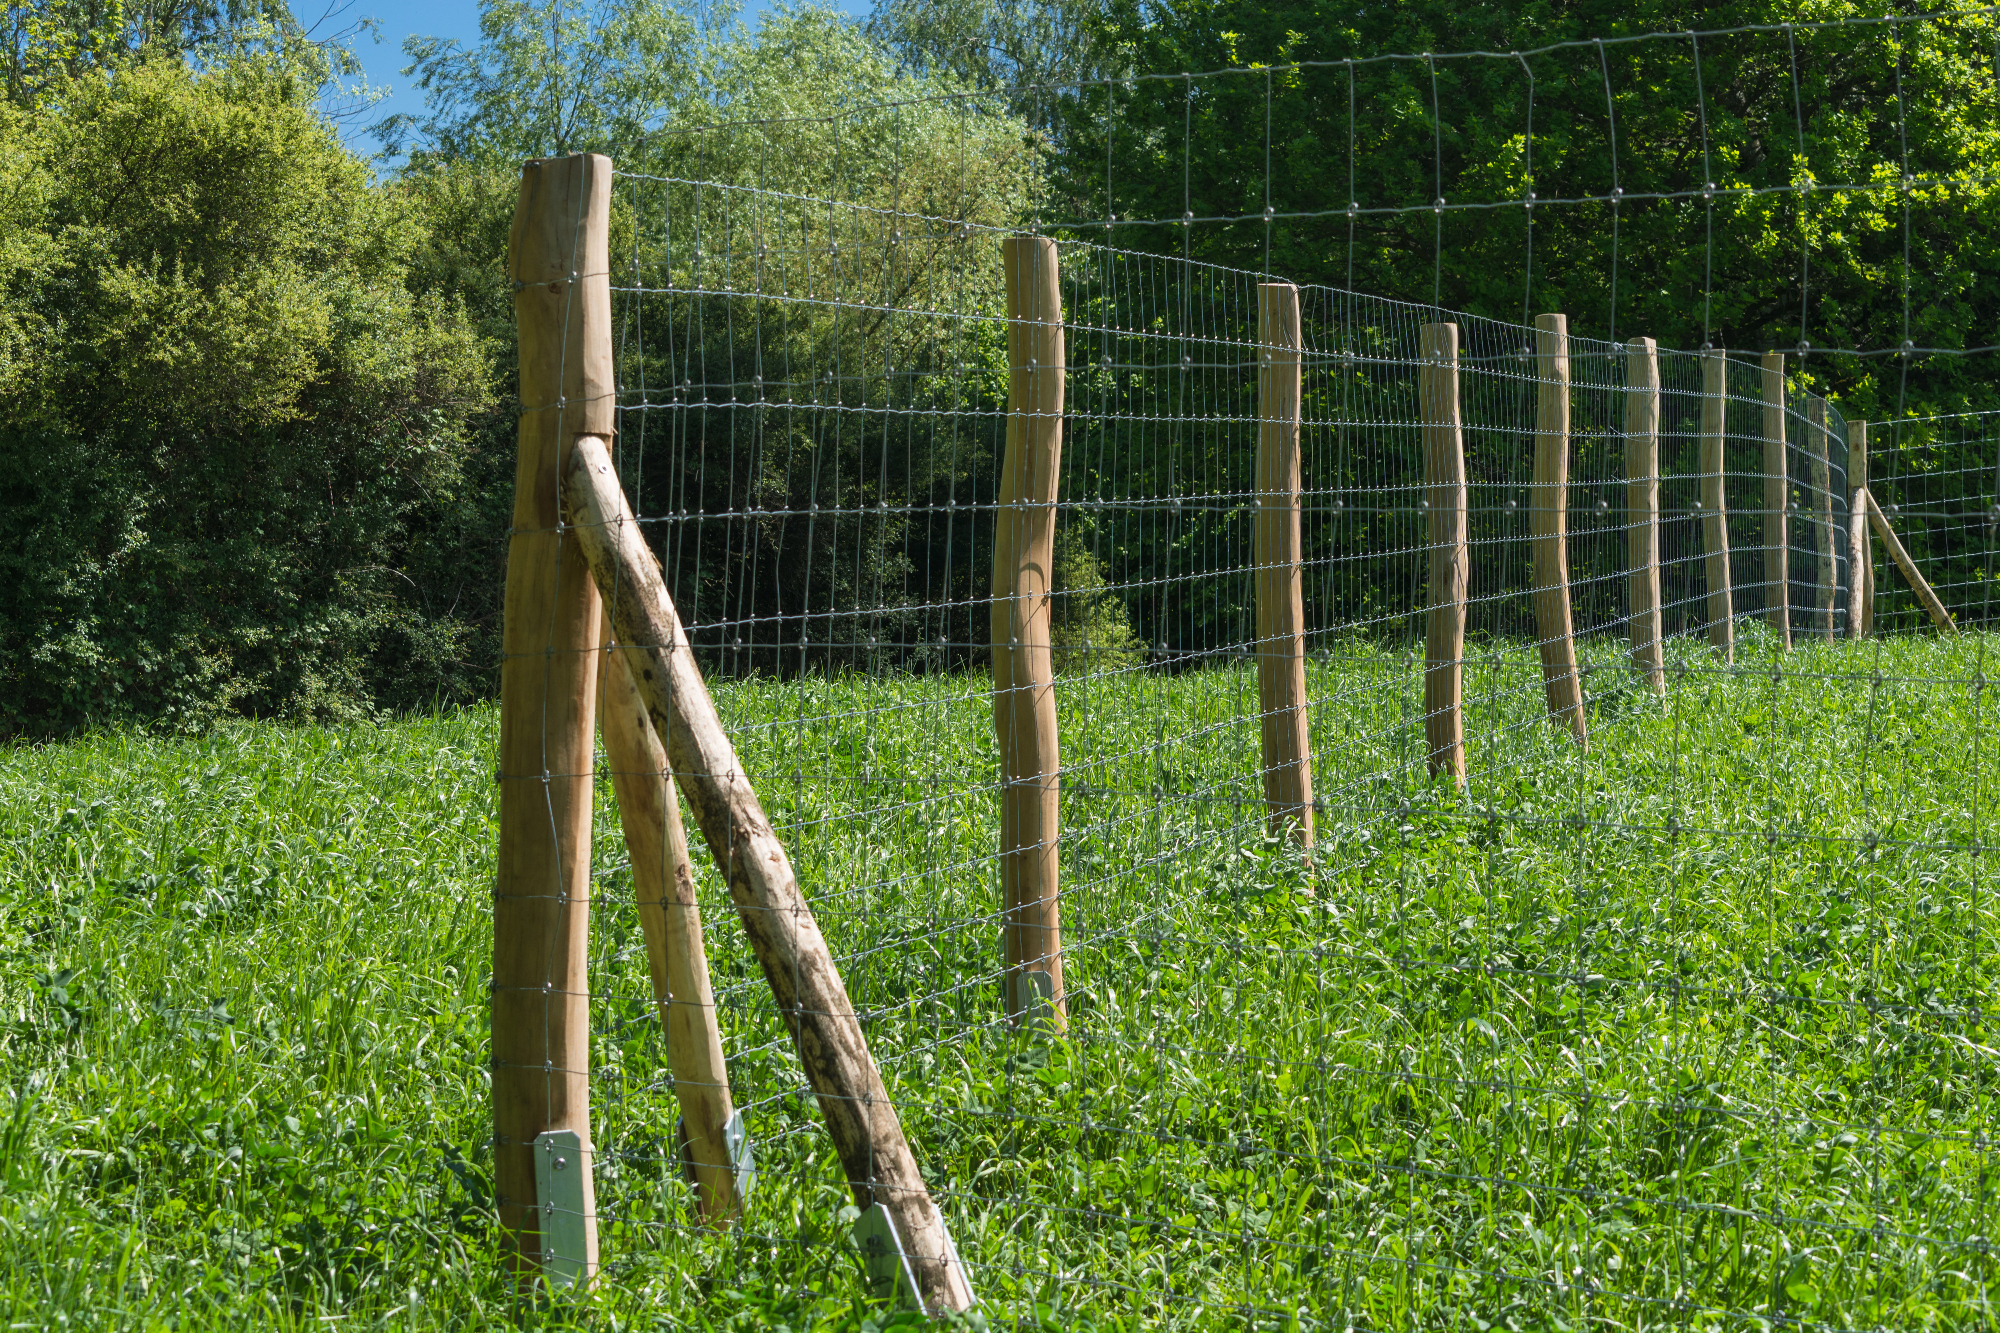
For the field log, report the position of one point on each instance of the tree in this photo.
(227, 416)
(826, 173)
(1747, 111)
(548, 77)
(1037, 54)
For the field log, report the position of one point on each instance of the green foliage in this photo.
(1834, 258)
(549, 78)
(1035, 51)
(1089, 626)
(46, 43)
(227, 414)
(780, 116)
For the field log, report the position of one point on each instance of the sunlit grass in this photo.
(1690, 1030)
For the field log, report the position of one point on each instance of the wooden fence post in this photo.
(1777, 498)
(1822, 483)
(1918, 583)
(1548, 526)
(559, 261)
(649, 812)
(1857, 552)
(1281, 616)
(1024, 701)
(1451, 561)
(1861, 579)
(1642, 508)
(1714, 508)
(777, 920)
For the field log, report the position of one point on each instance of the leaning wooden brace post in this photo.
(1548, 526)
(1024, 699)
(649, 812)
(559, 261)
(1918, 583)
(1714, 508)
(1819, 440)
(1642, 508)
(1777, 498)
(1861, 576)
(777, 920)
(1451, 562)
(1281, 614)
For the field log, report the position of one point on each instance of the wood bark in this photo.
(1862, 577)
(1450, 559)
(1642, 509)
(1918, 583)
(1827, 578)
(1281, 615)
(649, 812)
(1857, 555)
(559, 262)
(1714, 504)
(1024, 700)
(1777, 500)
(1548, 526)
(861, 1121)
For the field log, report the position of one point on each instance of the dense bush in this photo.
(227, 421)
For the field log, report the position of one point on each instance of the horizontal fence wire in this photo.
(1687, 1023)
(1673, 1013)
(1937, 480)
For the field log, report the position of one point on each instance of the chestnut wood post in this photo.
(1777, 499)
(777, 920)
(1642, 508)
(1024, 700)
(1548, 526)
(1819, 440)
(1281, 614)
(1918, 583)
(1861, 579)
(1451, 561)
(1714, 506)
(1857, 552)
(559, 261)
(649, 812)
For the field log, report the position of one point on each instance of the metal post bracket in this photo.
(560, 1164)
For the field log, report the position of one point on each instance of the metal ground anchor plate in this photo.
(559, 1176)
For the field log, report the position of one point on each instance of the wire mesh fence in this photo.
(1938, 481)
(1682, 1024)
(1623, 961)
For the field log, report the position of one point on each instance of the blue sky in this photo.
(384, 60)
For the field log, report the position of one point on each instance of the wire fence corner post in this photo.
(559, 263)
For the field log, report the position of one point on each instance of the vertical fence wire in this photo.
(1564, 1043)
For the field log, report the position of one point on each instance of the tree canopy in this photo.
(256, 443)
(1687, 148)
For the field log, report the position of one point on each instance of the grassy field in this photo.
(1693, 1030)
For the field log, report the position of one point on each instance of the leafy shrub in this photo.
(227, 416)
(1089, 628)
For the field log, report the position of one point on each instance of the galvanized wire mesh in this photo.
(1690, 1024)
(1937, 480)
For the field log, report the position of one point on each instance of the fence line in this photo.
(1219, 514)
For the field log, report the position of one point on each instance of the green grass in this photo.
(1693, 1030)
